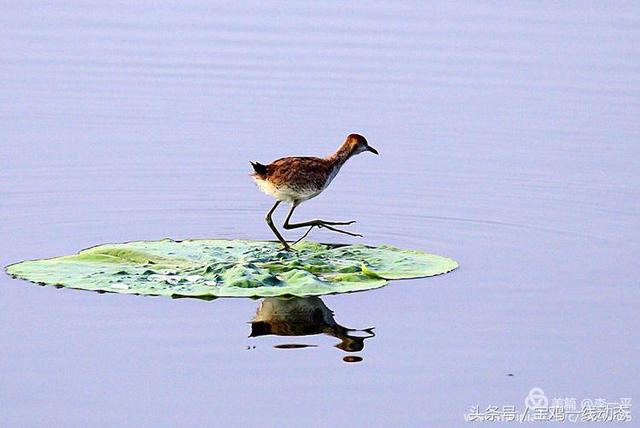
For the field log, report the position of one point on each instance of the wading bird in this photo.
(297, 179)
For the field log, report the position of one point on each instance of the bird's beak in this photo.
(372, 150)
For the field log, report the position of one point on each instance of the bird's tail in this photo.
(260, 170)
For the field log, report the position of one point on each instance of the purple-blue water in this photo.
(509, 140)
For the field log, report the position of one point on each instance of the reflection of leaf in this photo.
(221, 268)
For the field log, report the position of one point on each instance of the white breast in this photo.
(288, 194)
(284, 193)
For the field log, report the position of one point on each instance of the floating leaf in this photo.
(222, 268)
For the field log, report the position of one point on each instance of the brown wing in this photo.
(304, 172)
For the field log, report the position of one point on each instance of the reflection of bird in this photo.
(303, 316)
(296, 179)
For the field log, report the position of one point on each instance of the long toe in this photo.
(305, 235)
(338, 223)
(335, 229)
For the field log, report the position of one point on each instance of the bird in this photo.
(297, 179)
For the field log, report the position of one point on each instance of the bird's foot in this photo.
(336, 223)
(329, 225)
(335, 229)
(285, 246)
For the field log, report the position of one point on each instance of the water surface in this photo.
(509, 140)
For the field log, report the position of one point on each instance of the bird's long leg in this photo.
(273, 227)
(316, 223)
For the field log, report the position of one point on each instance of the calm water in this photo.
(509, 140)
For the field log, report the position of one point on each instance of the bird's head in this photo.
(358, 144)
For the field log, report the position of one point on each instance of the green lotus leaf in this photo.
(225, 268)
